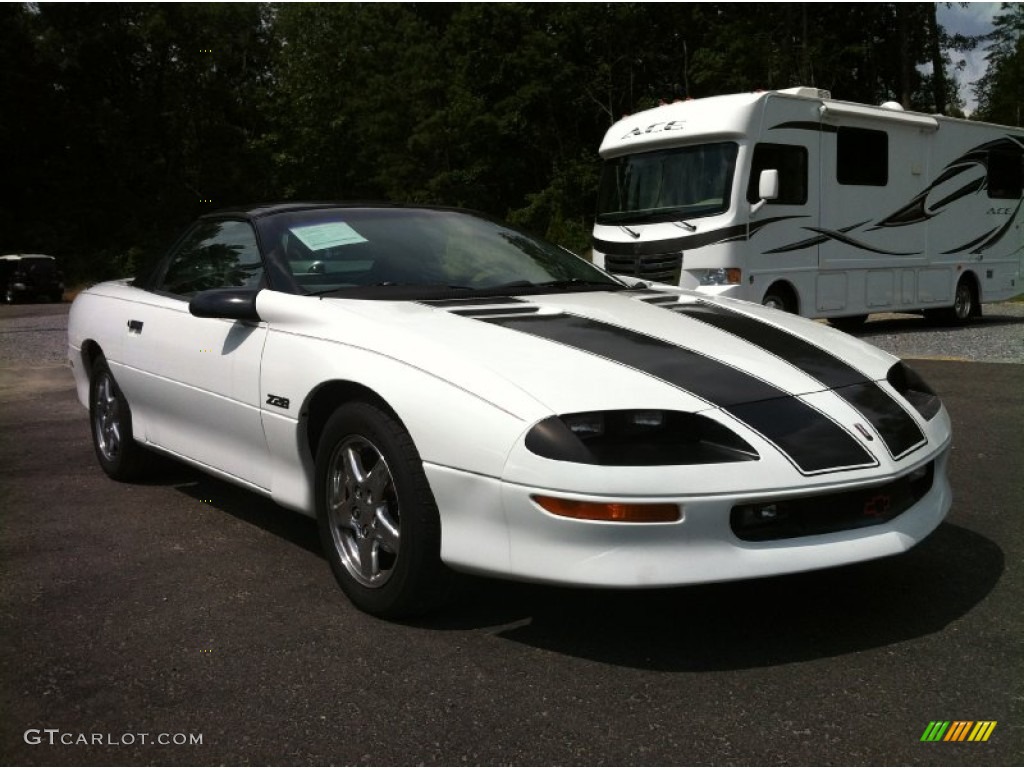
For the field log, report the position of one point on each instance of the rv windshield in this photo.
(669, 184)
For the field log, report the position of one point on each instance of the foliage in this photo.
(135, 117)
(1001, 91)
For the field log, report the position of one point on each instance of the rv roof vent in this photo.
(811, 93)
(895, 106)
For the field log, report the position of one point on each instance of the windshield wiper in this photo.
(402, 291)
(623, 218)
(576, 282)
(512, 284)
(389, 284)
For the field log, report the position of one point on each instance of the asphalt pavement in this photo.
(187, 622)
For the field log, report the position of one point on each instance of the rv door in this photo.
(783, 238)
(870, 170)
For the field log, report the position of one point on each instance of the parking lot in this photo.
(188, 622)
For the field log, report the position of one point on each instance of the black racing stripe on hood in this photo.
(897, 429)
(894, 425)
(812, 360)
(812, 442)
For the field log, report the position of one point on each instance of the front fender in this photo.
(450, 426)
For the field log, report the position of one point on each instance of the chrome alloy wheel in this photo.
(107, 417)
(362, 511)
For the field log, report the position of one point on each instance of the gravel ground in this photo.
(998, 337)
(33, 340)
(36, 335)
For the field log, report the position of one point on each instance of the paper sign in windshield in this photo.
(320, 237)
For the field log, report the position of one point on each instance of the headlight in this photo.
(909, 383)
(638, 438)
(722, 276)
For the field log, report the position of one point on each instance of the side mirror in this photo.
(226, 304)
(767, 188)
(768, 184)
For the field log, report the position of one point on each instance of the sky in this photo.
(975, 19)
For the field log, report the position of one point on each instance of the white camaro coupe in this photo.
(445, 393)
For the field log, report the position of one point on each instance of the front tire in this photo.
(110, 417)
(781, 296)
(378, 520)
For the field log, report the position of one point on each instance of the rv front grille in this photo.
(659, 267)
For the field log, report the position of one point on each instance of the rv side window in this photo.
(790, 160)
(862, 157)
(1005, 170)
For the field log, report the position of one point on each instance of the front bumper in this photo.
(494, 527)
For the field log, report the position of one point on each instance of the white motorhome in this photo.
(821, 207)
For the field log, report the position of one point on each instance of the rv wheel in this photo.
(965, 306)
(780, 297)
(964, 303)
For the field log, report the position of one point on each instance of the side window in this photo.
(215, 254)
(790, 160)
(862, 157)
(1005, 171)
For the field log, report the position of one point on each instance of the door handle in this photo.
(135, 326)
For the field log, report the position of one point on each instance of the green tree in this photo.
(138, 115)
(135, 117)
(1000, 91)
(351, 84)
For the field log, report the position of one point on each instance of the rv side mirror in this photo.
(767, 189)
(768, 184)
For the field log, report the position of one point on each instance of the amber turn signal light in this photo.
(609, 512)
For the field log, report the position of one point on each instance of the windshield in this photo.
(410, 253)
(38, 266)
(667, 185)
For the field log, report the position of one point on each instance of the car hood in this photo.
(818, 396)
(575, 352)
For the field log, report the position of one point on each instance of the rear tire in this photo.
(965, 303)
(965, 306)
(378, 520)
(111, 420)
